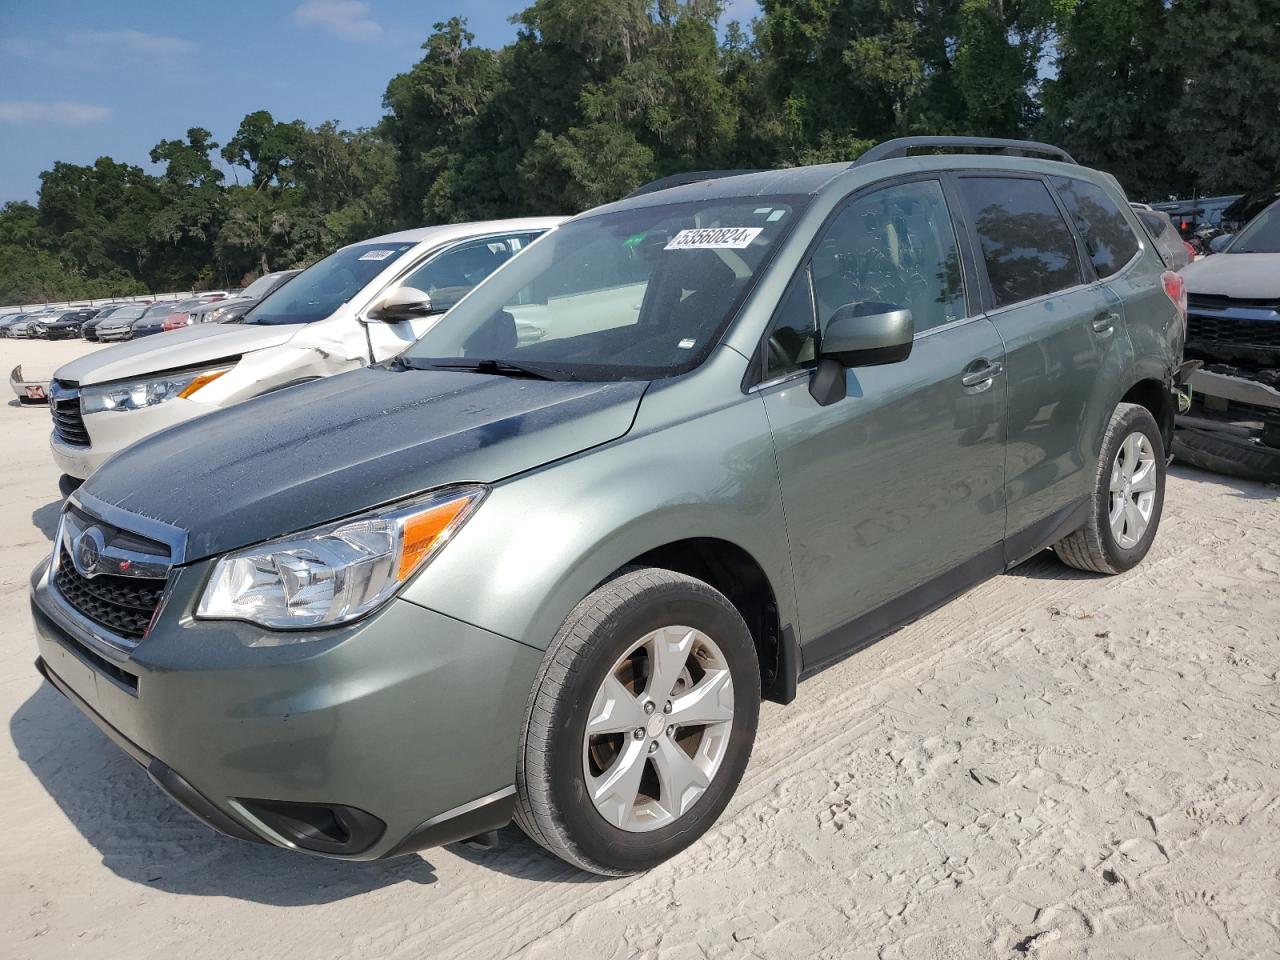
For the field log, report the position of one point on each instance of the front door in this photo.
(447, 276)
(902, 480)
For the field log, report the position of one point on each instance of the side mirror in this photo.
(868, 334)
(404, 303)
(1219, 243)
(860, 335)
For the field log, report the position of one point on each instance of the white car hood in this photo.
(1244, 276)
(173, 350)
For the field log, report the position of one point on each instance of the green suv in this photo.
(682, 451)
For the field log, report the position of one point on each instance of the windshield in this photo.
(639, 294)
(127, 313)
(159, 308)
(323, 287)
(1262, 235)
(260, 286)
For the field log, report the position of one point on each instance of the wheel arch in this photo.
(733, 571)
(1154, 395)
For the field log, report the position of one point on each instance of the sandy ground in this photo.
(1056, 765)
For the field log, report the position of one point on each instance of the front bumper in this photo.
(408, 717)
(113, 430)
(28, 391)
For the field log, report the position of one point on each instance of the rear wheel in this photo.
(640, 723)
(1127, 500)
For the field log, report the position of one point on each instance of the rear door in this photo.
(1064, 354)
(902, 480)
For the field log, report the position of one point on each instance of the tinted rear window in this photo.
(1107, 235)
(1028, 248)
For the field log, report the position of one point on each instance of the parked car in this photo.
(119, 324)
(63, 326)
(123, 327)
(181, 315)
(321, 322)
(1232, 421)
(157, 322)
(1175, 251)
(6, 319)
(233, 307)
(1247, 207)
(23, 327)
(89, 329)
(1198, 220)
(685, 448)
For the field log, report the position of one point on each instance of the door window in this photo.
(894, 246)
(1108, 238)
(1027, 246)
(793, 334)
(449, 276)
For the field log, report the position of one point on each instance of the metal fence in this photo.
(74, 304)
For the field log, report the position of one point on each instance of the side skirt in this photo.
(861, 632)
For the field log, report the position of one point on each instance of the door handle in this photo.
(976, 377)
(1104, 322)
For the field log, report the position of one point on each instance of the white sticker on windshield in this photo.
(376, 254)
(714, 238)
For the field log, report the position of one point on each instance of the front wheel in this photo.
(1127, 500)
(640, 723)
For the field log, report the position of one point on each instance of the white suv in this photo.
(363, 304)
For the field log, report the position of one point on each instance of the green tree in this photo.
(191, 212)
(1115, 94)
(1226, 126)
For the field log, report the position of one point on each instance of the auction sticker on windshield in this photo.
(376, 254)
(714, 238)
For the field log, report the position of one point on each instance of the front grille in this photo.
(1236, 333)
(68, 422)
(123, 605)
(1213, 301)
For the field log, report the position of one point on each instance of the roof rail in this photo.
(682, 179)
(899, 148)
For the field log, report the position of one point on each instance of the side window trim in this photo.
(756, 370)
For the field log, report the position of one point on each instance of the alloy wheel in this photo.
(659, 729)
(1132, 490)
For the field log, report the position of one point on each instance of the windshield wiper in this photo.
(502, 368)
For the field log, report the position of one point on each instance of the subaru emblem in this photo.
(87, 551)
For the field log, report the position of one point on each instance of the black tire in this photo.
(1093, 547)
(552, 804)
(1229, 455)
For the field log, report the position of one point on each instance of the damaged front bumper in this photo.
(1232, 422)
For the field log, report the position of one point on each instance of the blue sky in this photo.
(80, 79)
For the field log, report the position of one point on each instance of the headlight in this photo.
(136, 394)
(338, 572)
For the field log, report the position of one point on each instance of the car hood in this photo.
(333, 447)
(179, 348)
(1243, 276)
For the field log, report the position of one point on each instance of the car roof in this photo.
(461, 231)
(845, 176)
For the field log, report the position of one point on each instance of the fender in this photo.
(545, 539)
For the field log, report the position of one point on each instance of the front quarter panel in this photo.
(692, 466)
(322, 349)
